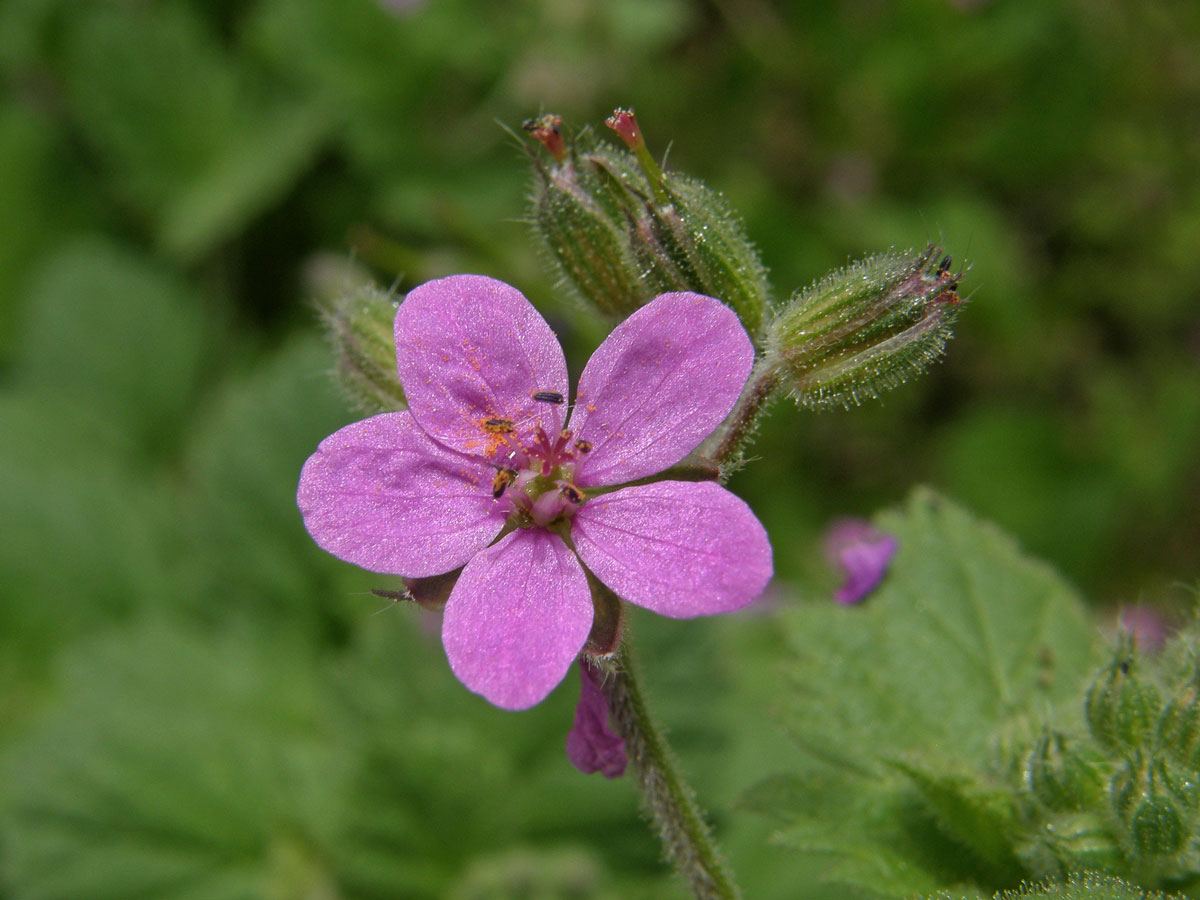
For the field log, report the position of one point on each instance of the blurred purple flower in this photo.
(863, 552)
(403, 7)
(591, 745)
(1147, 624)
(482, 452)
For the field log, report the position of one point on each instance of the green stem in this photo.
(759, 390)
(666, 797)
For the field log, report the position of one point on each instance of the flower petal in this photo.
(679, 548)
(471, 349)
(658, 385)
(863, 552)
(592, 746)
(517, 618)
(382, 495)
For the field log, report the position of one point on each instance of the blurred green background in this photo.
(196, 702)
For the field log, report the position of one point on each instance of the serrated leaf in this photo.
(175, 766)
(965, 637)
(965, 644)
(981, 817)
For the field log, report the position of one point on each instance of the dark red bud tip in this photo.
(624, 123)
(947, 284)
(548, 130)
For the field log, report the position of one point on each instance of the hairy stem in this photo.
(737, 429)
(666, 797)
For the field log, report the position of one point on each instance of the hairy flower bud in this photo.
(359, 321)
(1149, 806)
(1062, 778)
(1179, 726)
(1157, 828)
(620, 230)
(865, 329)
(1122, 708)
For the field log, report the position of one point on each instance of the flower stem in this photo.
(666, 797)
(759, 390)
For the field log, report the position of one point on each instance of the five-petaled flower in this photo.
(485, 452)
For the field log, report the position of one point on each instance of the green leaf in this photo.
(117, 337)
(254, 169)
(250, 549)
(178, 767)
(982, 817)
(37, 197)
(946, 668)
(966, 637)
(153, 93)
(196, 145)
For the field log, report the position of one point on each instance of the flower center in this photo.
(537, 481)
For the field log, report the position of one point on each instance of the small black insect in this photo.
(504, 477)
(572, 494)
(548, 397)
(498, 426)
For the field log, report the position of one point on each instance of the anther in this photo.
(572, 494)
(582, 446)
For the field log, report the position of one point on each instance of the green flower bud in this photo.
(1179, 725)
(1182, 786)
(620, 230)
(1061, 778)
(865, 329)
(1121, 708)
(1154, 805)
(1157, 828)
(584, 237)
(359, 322)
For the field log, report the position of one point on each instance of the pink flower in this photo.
(591, 745)
(863, 552)
(484, 453)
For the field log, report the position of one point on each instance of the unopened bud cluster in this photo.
(1126, 797)
(620, 230)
